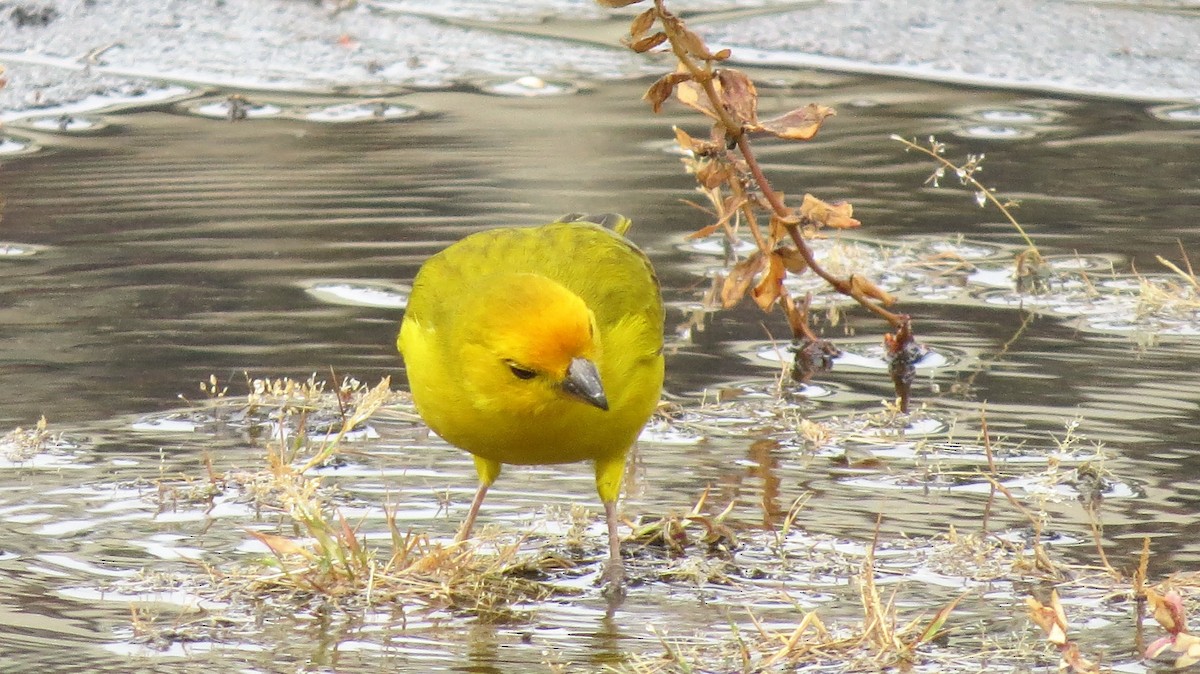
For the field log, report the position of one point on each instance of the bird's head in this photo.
(530, 343)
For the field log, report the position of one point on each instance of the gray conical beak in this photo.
(583, 383)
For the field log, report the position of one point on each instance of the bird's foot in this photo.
(612, 581)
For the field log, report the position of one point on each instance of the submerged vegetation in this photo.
(315, 557)
(23, 444)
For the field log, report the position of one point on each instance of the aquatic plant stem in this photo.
(967, 177)
(735, 131)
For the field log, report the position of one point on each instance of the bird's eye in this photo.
(520, 372)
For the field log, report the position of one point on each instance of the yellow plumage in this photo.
(537, 345)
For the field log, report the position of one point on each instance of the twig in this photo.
(968, 177)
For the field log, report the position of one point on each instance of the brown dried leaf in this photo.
(1059, 614)
(1168, 610)
(281, 546)
(779, 226)
(1190, 647)
(645, 44)
(1050, 618)
(837, 215)
(740, 278)
(1162, 613)
(793, 261)
(797, 317)
(661, 90)
(741, 98)
(712, 173)
(693, 96)
(693, 43)
(799, 124)
(770, 286)
(726, 210)
(1056, 635)
(864, 285)
(707, 230)
(641, 24)
(683, 138)
(617, 3)
(722, 55)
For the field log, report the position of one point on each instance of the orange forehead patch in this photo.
(538, 323)
(554, 334)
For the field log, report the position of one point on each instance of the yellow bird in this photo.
(538, 345)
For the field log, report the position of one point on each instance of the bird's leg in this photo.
(488, 471)
(609, 471)
(464, 531)
(613, 577)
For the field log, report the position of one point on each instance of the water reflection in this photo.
(14, 145)
(359, 293)
(1177, 113)
(66, 123)
(528, 87)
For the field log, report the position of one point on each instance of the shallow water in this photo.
(168, 246)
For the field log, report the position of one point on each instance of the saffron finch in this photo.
(538, 345)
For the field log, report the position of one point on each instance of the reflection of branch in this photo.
(986, 362)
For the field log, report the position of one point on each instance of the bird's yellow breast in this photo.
(468, 312)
